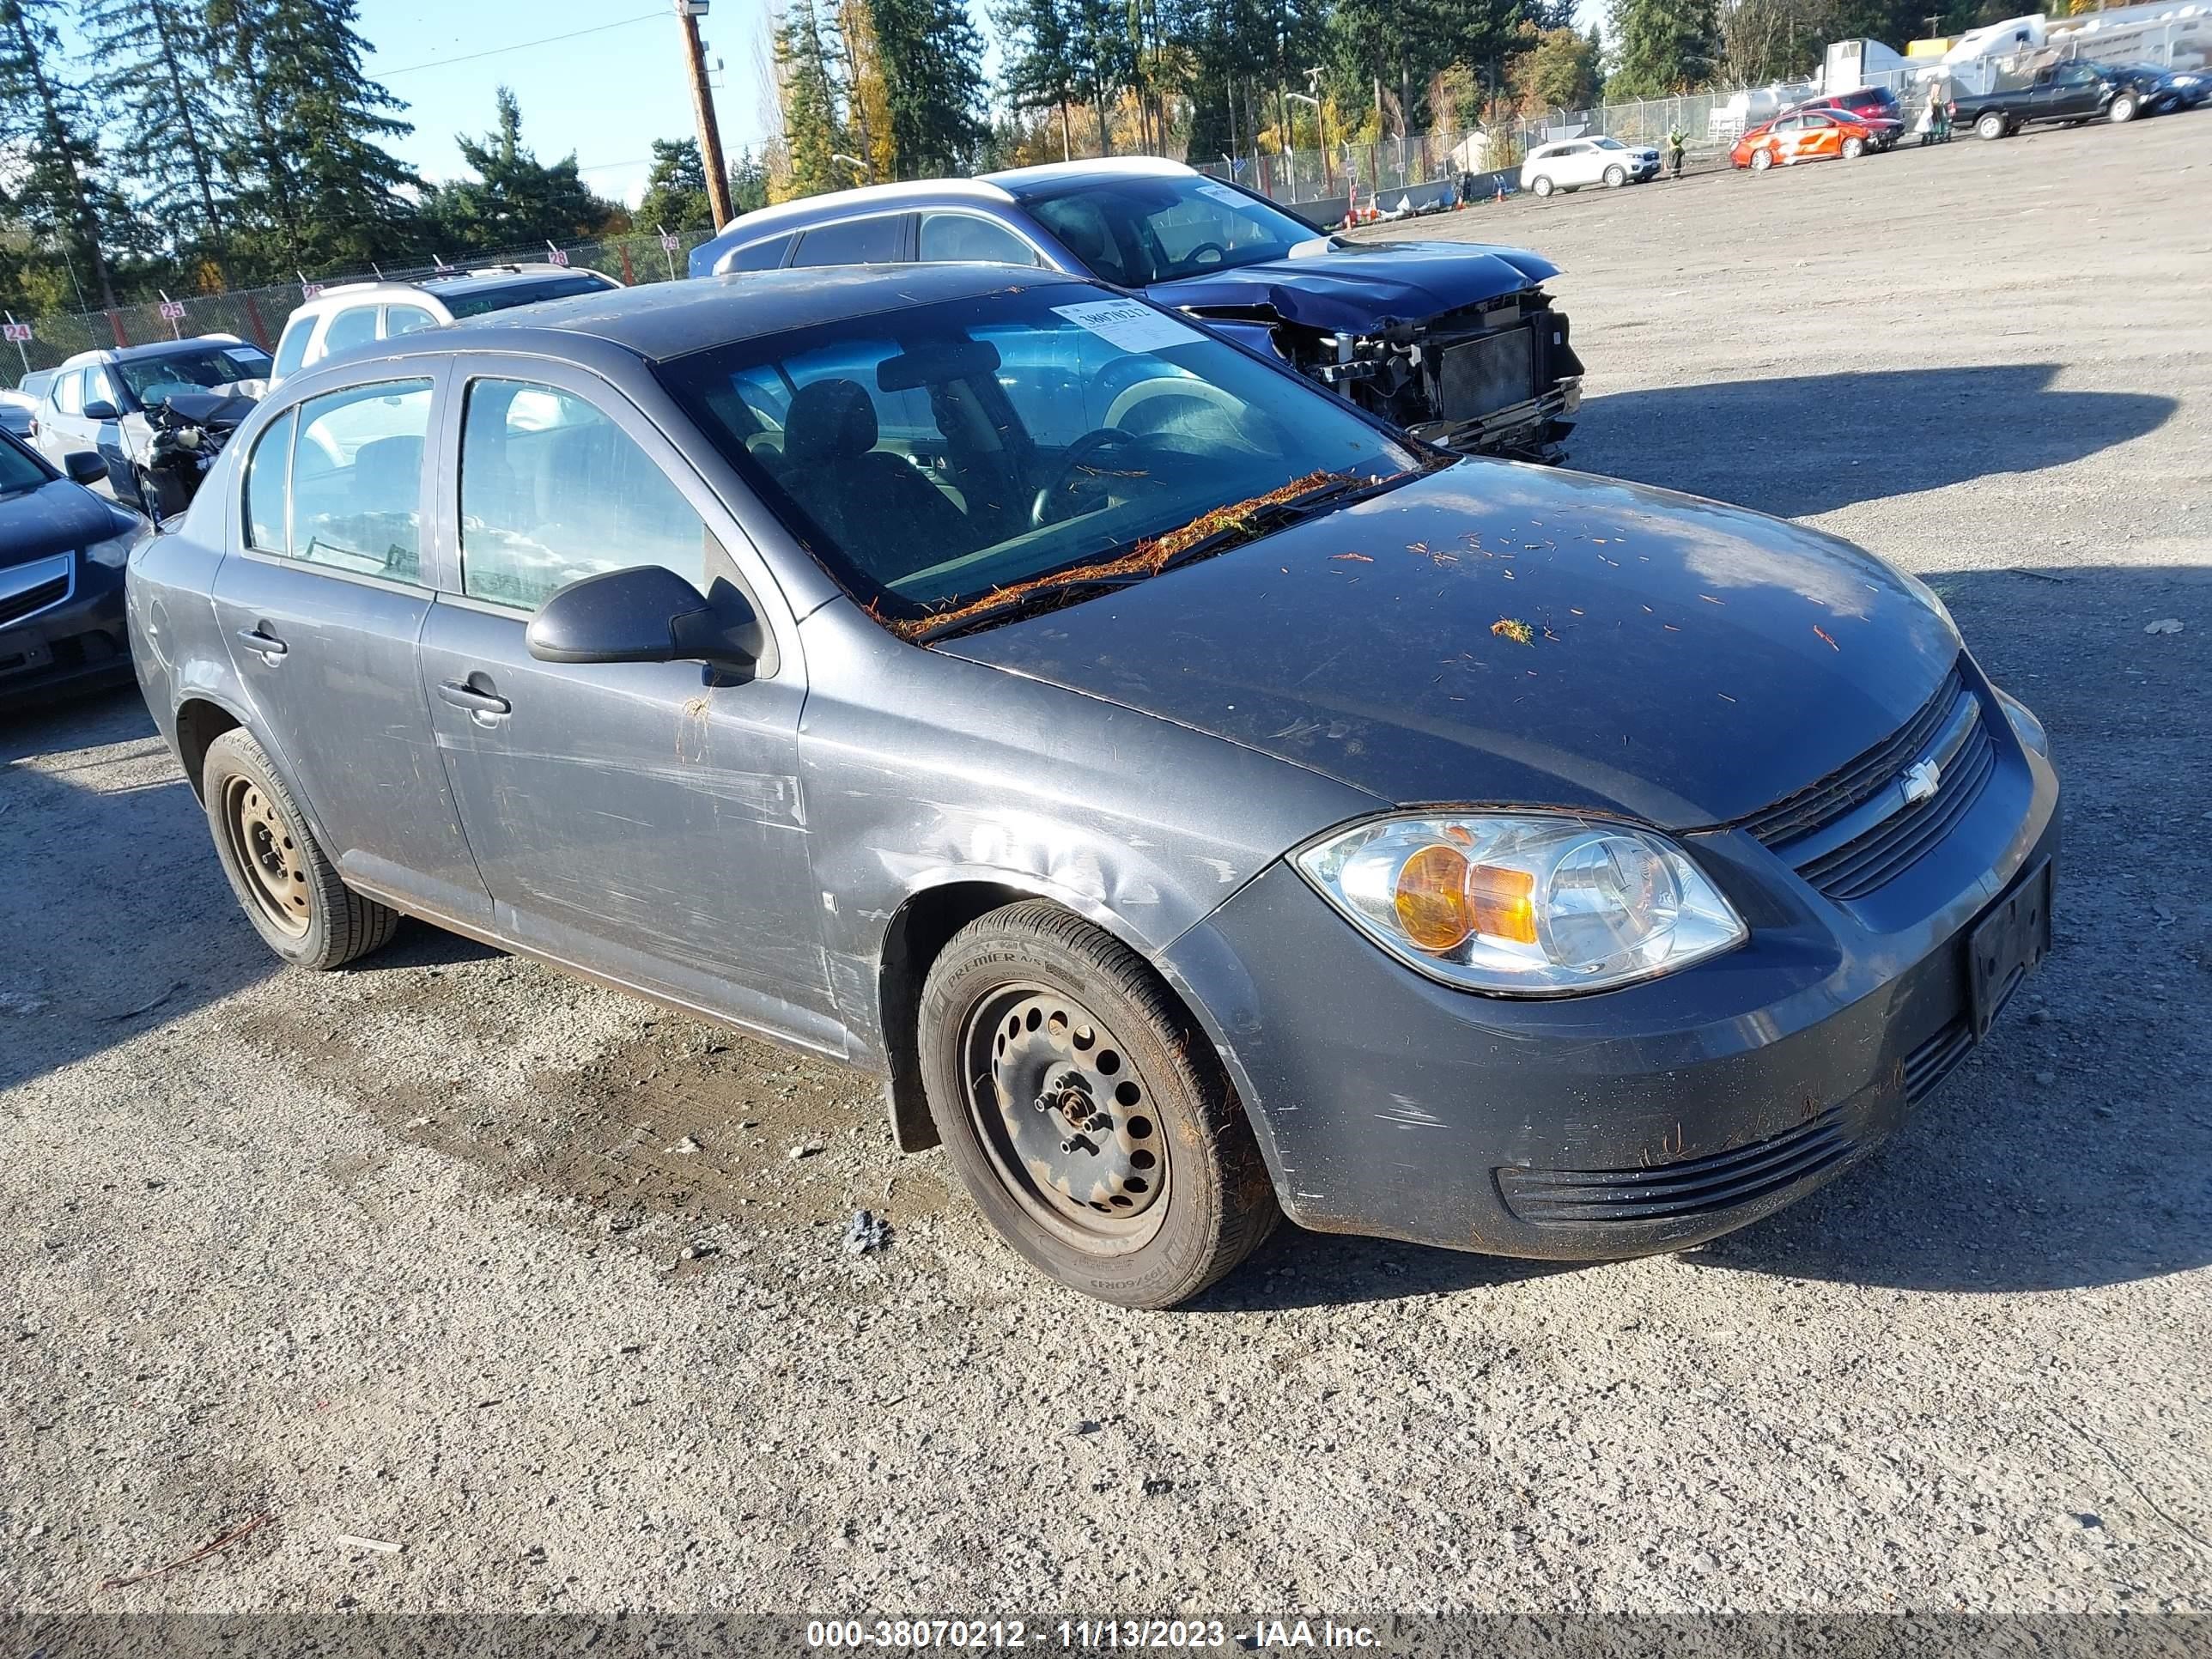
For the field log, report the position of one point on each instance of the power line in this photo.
(520, 45)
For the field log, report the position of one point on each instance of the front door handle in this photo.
(476, 702)
(268, 646)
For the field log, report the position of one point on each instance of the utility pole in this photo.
(689, 12)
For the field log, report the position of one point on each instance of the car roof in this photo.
(766, 222)
(662, 320)
(155, 349)
(1056, 175)
(443, 284)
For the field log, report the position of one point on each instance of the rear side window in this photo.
(352, 327)
(552, 490)
(760, 256)
(350, 495)
(69, 393)
(292, 350)
(880, 240)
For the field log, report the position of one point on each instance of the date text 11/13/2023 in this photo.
(1087, 1635)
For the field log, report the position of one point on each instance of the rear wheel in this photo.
(1616, 176)
(1089, 1120)
(1541, 185)
(2123, 109)
(287, 887)
(1761, 160)
(1991, 126)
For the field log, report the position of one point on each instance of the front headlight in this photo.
(1523, 904)
(115, 551)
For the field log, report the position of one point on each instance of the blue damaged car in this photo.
(1454, 341)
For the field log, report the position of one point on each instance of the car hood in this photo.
(1500, 633)
(1328, 284)
(59, 517)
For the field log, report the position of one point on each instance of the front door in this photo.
(640, 820)
(321, 602)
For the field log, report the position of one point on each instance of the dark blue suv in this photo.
(1456, 342)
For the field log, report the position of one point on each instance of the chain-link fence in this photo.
(259, 313)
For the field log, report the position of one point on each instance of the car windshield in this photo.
(522, 293)
(934, 457)
(1608, 143)
(153, 380)
(18, 470)
(1139, 230)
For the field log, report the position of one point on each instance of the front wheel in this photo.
(287, 886)
(2123, 109)
(1087, 1115)
(1853, 149)
(1761, 160)
(1615, 177)
(1990, 126)
(1542, 185)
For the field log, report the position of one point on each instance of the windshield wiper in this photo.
(1018, 604)
(1276, 515)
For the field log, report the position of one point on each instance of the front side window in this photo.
(1139, 230)
(552, 490)
(406, 320)
(353, 499)
(932, 455)
(19, 470)
(969, 239)
(879, 241)
(100, 388)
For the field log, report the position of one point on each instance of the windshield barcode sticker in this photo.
(1129, 326)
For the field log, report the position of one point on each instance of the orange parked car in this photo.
(1805, 135)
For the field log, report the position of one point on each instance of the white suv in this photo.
(355, 313)
(1580, 161)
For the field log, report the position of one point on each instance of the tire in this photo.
(1761, 160)
(1991, 126)
(1541, 185)
(1174, 1191)
(1853, 149)
(2123, 109)
(1615, 177)
(278, 872)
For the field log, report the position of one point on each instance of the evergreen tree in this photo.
(932, 59)
(806, 90)
(1038, 68)
(515, 200)
(158, 82)
(1557, 71)
(45, 117)
(1665, 46)
(676, 188)
(311, 178)
(867, 92)
(748, 183)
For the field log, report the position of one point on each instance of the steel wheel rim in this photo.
(268, 857)
(1066, 1118)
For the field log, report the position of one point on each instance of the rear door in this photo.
(639, 820)
(321, 600)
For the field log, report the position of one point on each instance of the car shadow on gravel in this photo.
(1806, 445)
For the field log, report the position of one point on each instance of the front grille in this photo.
(1853, 832)
(1693, 1187)
(16, 606)
(1933, 1060)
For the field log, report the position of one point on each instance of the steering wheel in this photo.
(1196, 256)
(1080, 457)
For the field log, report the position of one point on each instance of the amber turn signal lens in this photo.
(1432, 898)
(1498, 904)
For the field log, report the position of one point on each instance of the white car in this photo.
(1580, 161)
(355, 313)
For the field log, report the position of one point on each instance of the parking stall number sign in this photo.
(18, 334)
(173, 310)
(669, 242)
(559, 258)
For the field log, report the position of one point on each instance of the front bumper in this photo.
(76, 644)
(1388, 1104)
(1522, 430)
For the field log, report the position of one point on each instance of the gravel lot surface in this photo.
(404, 1252)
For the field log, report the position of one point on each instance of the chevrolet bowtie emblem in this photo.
(1921, 780)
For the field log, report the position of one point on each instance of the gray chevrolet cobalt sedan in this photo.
(1197, 802)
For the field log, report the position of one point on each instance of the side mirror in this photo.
(645, 614)
(100, 410)
(84, 467)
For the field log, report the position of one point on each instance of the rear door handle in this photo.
(476, 702)
(268, 645)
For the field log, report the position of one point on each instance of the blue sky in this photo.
(606, 94)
